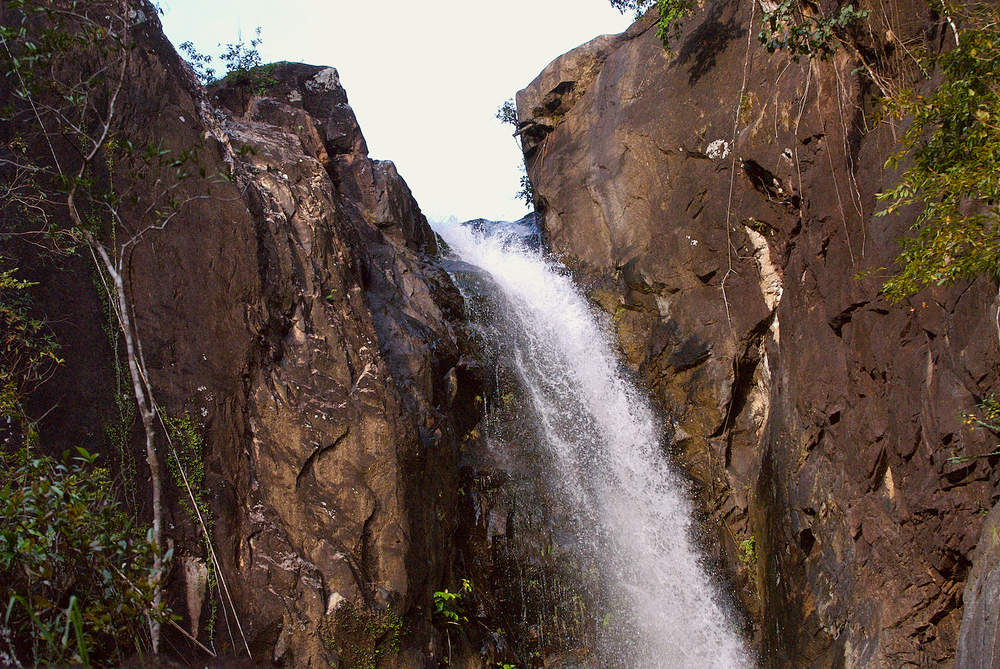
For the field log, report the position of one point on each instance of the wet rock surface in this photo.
(718, 204)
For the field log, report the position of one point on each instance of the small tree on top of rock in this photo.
(238, 57)
(672, 15)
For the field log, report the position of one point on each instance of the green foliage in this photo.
(32, 50)
(27, 351)
(988, 418)
(748, 552)
(527, 190)
(118, 431)
(448, 609)
(507, 113)
(787, 28)
(672, 15)
(262, 77)
(362, 637)
(65, 71)
(78, 571)
(187, 469)
(199, 62)
(637, 7)
(67, 68)
(27, 348)
(240, 59)
(954, 141)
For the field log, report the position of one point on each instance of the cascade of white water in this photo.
(607, 463)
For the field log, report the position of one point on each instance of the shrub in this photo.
(448, 609)
(240, 58)
(27, 348)
(507, 113)
(79, 571)
(672, 15)
(954, 140)
(787, 28)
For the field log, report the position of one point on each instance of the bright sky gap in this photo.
(424, 78)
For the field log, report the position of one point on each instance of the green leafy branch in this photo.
(790, 29)
(672, 15)
(28, 350)
(671, 21)
(954, 142)
(448, 608)
(988, 419)
(239, 58)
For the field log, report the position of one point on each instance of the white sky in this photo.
(425, 78)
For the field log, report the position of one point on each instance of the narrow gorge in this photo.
(669, 420)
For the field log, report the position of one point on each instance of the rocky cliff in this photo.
(719, 202)
(291, 310)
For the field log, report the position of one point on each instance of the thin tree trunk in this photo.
(148, 412)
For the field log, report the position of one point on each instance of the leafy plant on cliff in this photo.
(362, 637)
(448, 609)
(28, 352)
(672, 15)
(527, 190)
(637, 7)
(671, 21)
(79, 574)
(199, 62)
(987, 418)
(793, 28)
(240, 58)
(185, 465)
(748, 552)
(507, 114)
(954, 142)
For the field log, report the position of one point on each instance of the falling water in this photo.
(606, 463)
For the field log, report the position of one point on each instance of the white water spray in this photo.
(608, 466)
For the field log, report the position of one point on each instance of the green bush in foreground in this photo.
(78, 570)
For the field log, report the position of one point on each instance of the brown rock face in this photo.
(979, 641)
(719, 204)
(296, 312)
(350, 429)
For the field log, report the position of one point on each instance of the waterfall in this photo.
(604, 461)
